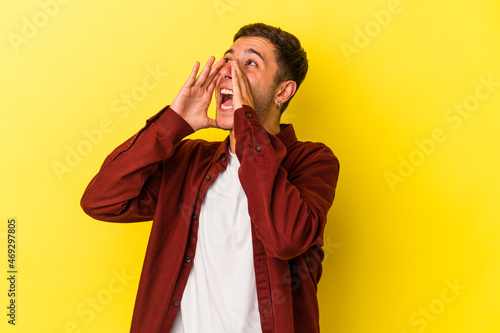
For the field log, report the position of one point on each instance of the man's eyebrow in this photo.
(250, 50)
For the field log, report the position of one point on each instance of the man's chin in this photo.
(224, 125)
(225, 121)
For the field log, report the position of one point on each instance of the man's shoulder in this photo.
(289, 138)
(308, 155)
(310, 148)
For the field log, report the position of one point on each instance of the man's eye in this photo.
(251, 63)
(226, 60)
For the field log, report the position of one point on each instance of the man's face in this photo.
(255, 56)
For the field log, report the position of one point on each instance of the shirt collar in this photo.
(286, 136)
(222, 152)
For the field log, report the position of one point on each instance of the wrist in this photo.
(170, 124)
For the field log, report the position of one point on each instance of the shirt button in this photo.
(177, 303)
(208, 177)
(131, 141)
(258, 148)
(188, 260)
(249, 115)
(266, 308)
(195, 217)
(223, 158)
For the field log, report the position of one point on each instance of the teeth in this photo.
(223, 107)
(226, 92)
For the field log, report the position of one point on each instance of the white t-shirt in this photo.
(220, 294)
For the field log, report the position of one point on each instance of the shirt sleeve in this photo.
(288, 209)
(126, 187)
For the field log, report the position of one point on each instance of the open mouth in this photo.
(226, 101)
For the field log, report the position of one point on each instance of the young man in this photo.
(237, 235)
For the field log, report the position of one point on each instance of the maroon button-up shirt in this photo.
(290, 186)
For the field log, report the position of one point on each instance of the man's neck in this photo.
(232, 142)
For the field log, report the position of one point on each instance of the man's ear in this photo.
(285, 91)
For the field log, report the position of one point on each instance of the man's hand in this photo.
(242, 94)
(194, 98)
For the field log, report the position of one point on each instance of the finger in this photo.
(192, 77)
(205, 71)
(234, 75)
(214, 83)
(239, 79)
(236, 86)
(218, 79)
(214, 72)
(241, 88)
(242, 79)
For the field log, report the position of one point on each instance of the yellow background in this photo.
(411, 217)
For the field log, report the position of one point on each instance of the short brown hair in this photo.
(290, 56)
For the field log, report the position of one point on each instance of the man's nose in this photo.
(225, 71)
